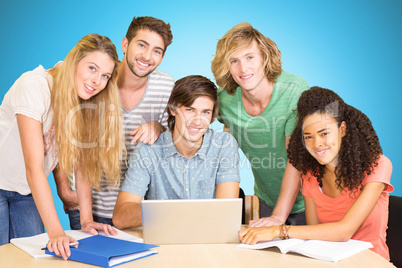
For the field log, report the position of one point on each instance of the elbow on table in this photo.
(344, 234)
(123, 222)
(117, 222)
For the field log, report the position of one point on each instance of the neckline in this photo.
(142, 98)
(243, 110)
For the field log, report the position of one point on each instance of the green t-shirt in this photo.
(263, 138)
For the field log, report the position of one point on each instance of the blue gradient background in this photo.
(351, 47)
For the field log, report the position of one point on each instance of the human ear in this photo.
(343, 128)
(172, 111)
(124, 45)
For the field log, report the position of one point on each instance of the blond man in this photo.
(257, 99)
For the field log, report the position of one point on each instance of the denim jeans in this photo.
(74, 217)
(293, 219)
(19, 216)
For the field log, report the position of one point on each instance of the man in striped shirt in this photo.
(144, 92)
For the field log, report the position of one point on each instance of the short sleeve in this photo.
(222, 98)
(300, 86)
(137, 175)
(31, 96)
(381, 173)
(290, 123)
(229, 160)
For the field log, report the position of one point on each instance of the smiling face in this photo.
(323, 138)
(247, 68)
(144, 53)
(93, 74)
(192, 122)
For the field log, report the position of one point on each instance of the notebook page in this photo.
(129, 257)
(329, 250)
(283, 245)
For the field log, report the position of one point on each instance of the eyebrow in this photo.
(248, 54)
(145, 42)
(98, 67)
(209, 110)
(94, 64)
(308, 133)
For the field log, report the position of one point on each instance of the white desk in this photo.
(201, 255)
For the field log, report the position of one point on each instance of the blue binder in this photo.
(100, 250)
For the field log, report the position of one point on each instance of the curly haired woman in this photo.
(345, 177)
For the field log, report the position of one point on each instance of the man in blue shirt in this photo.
(189, 161)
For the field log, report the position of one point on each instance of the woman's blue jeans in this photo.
(19, 216)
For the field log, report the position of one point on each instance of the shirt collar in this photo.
(169, 149)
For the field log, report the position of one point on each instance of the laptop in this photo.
(191, 221)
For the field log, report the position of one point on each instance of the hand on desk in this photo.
(256, 234)
(93, 228)
(60, 244)
(265, 222)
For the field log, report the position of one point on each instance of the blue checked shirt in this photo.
(159, 171)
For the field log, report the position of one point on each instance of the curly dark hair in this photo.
(360, 148)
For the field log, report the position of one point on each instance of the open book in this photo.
(318, 249)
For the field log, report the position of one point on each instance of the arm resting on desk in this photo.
(341, 230)
(127, 211)
(32, 147)
(289, 189)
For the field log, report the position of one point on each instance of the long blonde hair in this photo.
(240, 35)
(89, 133)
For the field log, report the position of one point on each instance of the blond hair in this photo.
(240, 35)
(89, 133)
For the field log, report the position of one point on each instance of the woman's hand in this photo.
(60, 245)
(256, 234)
(93, 228)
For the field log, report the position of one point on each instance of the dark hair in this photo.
(360, 148)
(186, 90)
(152, 24)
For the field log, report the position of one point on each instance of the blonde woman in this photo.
(65, 119)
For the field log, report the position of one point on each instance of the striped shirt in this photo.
(151, 108)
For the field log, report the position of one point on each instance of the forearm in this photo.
(333, 231)
(67, 196)
(227, 190)
(289, 189)
(84, 193)
(43, 198)
(127, 215)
